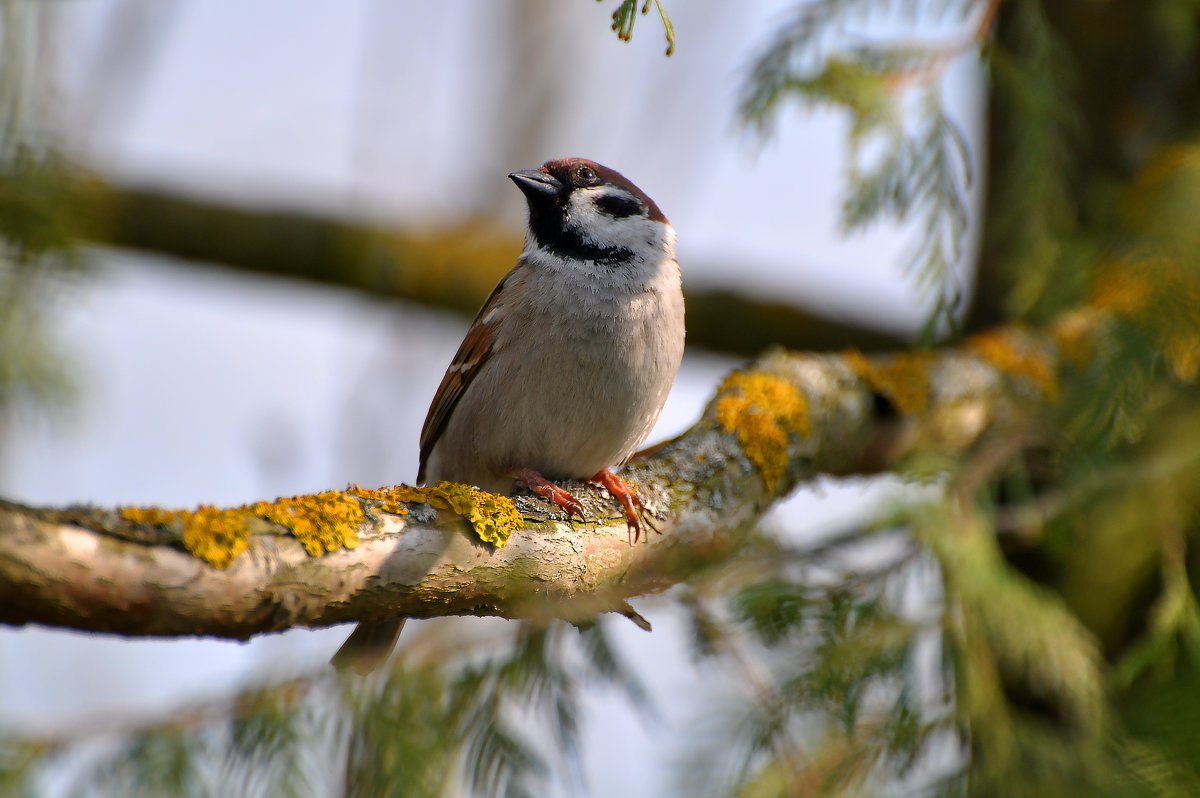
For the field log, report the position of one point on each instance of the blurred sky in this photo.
(197, 385)
(417, 111)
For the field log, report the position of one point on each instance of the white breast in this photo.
(582, 364)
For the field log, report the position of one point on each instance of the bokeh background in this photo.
(195, 383)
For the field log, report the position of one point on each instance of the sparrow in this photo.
(566, 367)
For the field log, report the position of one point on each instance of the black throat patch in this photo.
(554, 236)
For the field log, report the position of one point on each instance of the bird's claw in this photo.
(626, 494)
(543, 487)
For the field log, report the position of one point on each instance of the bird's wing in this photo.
(474, 351)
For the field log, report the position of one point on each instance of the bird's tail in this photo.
(368, 646)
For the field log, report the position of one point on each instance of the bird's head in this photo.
(581, 210)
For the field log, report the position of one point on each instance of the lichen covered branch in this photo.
(365, 554)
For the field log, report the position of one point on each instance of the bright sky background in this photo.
(202, 386)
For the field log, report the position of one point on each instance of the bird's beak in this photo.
(536, 184)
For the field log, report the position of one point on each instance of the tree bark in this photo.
(768, 428)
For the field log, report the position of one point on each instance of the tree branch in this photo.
(768, 428)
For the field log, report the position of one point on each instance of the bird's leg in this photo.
(535, 482)
(627, 497)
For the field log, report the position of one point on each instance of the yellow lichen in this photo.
(1161, 297)
(903, 377)
(213, 534)
(1183, 354)
(1074, 333)
(1128, 286)
(392, 499)
(1007, 350)
(762, 409)
(492, 516)
(322, 521)
(151, 516)
(1161, 200)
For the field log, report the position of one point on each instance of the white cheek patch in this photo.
(628, 232)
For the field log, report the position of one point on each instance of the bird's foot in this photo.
(626, 494)
(535, 482)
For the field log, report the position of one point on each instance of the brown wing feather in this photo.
(474, 351)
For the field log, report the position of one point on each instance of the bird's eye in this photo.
(586, 174)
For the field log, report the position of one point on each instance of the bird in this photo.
(567, 365)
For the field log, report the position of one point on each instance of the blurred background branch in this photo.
(450, 267)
